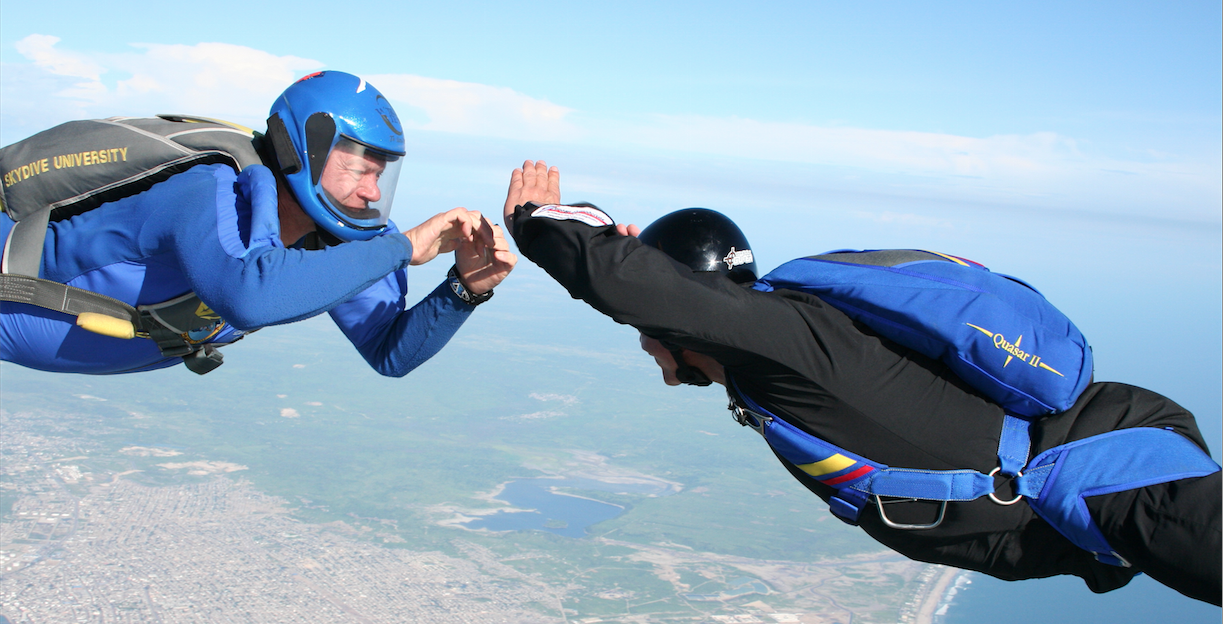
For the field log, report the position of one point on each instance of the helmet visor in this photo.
(358, 184)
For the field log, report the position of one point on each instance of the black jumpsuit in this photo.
(812, 365)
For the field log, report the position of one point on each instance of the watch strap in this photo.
(461, 291)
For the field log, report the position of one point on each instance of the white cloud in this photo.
(239, 83)
(544, 415)
(221, 80)
(41, 50)
(1042, 169)
(470, 108)
(565, 399)
(905, 151)
(225, 78)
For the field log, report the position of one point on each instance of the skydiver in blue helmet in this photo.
(841, 363)
(210, 254)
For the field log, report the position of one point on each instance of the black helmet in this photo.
(705, 240)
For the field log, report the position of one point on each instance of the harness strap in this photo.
(1063, 478)
(823, 461)
(1055, 484)
(843, 470)
(857, 478)
(935, 485)
(1014, 445)
(146, 322)
(23, 249)
(63, 298)
(832, 466)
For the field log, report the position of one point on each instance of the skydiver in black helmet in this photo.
(802, 372)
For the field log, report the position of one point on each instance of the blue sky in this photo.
(1106, 106)
(1076, 144)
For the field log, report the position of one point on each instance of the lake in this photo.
(555, 511)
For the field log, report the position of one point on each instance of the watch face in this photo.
(461, 291)
(458, 289)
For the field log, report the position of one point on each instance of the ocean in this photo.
(977, 598)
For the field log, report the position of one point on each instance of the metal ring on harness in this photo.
(1017, 498)
(942, 510)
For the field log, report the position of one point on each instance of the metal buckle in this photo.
(879, 503)
(1017, 498)
(748, 418)
(204, 360)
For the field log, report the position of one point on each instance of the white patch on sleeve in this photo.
(590, 216)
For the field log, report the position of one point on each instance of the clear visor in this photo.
(358, 184)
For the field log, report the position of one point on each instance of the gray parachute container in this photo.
(80, 165)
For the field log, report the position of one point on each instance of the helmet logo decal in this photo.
(309, 76)
(1013, 350)
(736, 258)
(388, 114)
(361, 86)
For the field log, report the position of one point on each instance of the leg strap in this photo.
(1058, 480)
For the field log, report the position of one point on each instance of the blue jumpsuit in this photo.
(217, 233)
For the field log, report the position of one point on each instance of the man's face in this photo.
(351, 179)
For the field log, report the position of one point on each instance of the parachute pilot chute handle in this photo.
(106, 325)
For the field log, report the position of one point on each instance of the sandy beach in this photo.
(937, 589)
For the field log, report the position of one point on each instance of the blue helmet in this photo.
(339, 145)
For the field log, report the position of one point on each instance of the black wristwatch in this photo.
(466, 295)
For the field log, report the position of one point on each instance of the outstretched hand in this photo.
(534, 182)
(482, 256)
(481, 267)
(443, 233)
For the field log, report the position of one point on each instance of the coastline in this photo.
(933, 598)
